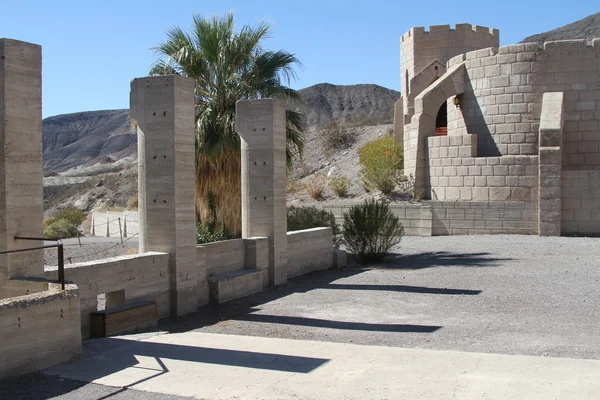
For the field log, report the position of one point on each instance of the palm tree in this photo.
(227, 66)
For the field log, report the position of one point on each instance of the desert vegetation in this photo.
(227, 65)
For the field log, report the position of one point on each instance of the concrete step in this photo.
(233, 285)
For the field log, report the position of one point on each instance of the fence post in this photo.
(120, 230)
(107, 227)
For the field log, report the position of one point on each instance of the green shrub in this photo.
(205, 233)
(371, 230)
(339, 185)
(337, 136)
(74, 215)
(315, 186)
(380, 161)
(65, 224)
(307, 217)
(60, 228)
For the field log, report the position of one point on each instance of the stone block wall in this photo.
(38, 331)
(415, 218)
(503, 98)
(483, 218)
(581, 202)
(309, 250)
(141, 276)
(456, 174)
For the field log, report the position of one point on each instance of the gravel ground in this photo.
(497, 294)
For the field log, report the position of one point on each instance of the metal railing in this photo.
(60, 254)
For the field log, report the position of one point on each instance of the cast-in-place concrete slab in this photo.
(216, 366)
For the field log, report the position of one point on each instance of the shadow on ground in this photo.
(442, 259)
(245, 308)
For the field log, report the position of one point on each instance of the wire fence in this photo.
(101, 251)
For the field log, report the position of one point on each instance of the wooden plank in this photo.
(122, 319)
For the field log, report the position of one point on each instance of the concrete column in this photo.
(550, 167)
(261, 125)
(21, 176)
(163, 108)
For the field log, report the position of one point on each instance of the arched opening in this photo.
(441, 120)
(406, 86)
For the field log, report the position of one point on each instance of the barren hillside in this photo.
(587, 28)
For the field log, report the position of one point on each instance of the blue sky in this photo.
(92, 49)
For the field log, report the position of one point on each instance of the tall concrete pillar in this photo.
(21, 176)
(163, 108)
(261, 126)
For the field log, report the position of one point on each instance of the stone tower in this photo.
(423, 56)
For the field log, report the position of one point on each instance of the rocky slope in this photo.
(587, 28)
(87, 138)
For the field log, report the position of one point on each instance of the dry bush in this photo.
(339, 185)
(293, 186)
(337, 136)
(315, 186)
(132, 203)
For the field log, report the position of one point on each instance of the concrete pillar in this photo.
(261, 125)
(550, 166)
(163, 108)
(21, 176)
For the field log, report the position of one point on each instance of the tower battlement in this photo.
(421, 32)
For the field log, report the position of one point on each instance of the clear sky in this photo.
(93, 48)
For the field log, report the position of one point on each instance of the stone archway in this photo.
(423, 125)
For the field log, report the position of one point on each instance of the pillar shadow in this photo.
(325, 323)
(403, 288)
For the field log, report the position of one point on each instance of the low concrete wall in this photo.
(459, 217)
(106, 223)
(225, 256)
(309, 250)
(39, 331)
(23, 286)
(415, 218)
(142, 277)
(581, 202)
(483, 217)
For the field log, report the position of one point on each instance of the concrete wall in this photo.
(483, 218)
(415, 217)
(106, 223)
(459, 217)
(38, 331)
(309, 250)
(225, 256)
(581, 202)
(141, 276)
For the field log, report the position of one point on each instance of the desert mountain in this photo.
(103, 137)
(587, 28)
(86, 138)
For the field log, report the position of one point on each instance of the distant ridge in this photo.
(88, 138)
(587, 28)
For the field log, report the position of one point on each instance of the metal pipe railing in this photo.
(58, 245)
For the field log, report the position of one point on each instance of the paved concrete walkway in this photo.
(218, 366)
